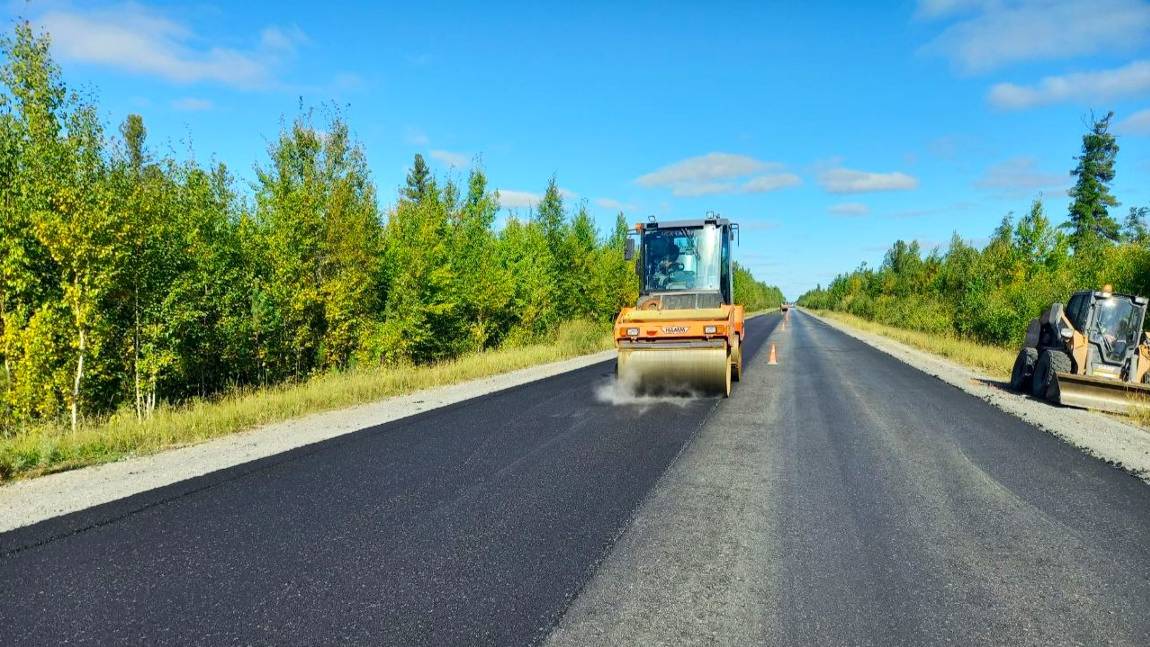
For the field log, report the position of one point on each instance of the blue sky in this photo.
(827, 129)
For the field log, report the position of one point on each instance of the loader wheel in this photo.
(1049, 363)
(1023, 371)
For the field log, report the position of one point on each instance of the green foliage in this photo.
(128, 280)
(989, 295)
(752, 294)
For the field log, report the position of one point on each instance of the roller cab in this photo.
(684, 336)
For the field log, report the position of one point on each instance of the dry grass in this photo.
(51, 448)
(994, 360)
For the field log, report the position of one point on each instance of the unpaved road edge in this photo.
(1122, 445)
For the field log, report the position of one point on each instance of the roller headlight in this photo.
(709, 330)
(632, 332)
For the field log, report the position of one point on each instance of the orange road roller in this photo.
(685, 334)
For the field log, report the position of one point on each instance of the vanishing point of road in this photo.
(838, 498)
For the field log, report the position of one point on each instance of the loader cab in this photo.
(685, 264)
(1112, 324)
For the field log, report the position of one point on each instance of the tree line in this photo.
(129, 278)
(990, 294)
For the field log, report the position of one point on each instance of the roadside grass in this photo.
(50, 448)
(1140, 413)
(995, 360)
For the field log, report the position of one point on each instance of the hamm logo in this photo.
(674, 330)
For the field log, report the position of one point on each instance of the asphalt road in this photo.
(853, 500)
(472, 524)
(840, 497)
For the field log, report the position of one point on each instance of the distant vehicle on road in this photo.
(1091, 353)
(784, 306)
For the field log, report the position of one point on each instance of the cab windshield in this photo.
(1117, 325)
(682, 259)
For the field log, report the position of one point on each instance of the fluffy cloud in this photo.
(765, 183)
(845, 180)
(192, 104)
(458, 160)
(1081, 86)
(717, 173)
(989, 34)
(614, 205)
(518, 199)
(1020, 176)
(1136, 124)
(142, 41)
(849, 209)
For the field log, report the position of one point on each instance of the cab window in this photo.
(1075, 311)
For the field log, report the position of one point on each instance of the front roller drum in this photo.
(676, 371)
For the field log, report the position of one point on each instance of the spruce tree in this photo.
(419, 181)
(1090, 222)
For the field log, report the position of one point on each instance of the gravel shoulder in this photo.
(23, 503)
(1120, 444)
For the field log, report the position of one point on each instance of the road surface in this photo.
(840, 497)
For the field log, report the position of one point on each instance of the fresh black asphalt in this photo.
(472, 524)
(909, 512)
(895, 509)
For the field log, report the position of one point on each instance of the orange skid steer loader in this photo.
(1092, 353)
(685, 334)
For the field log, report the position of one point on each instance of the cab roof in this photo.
(686, 224)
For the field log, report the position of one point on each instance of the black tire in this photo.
(1049, 362)
(1023, 371)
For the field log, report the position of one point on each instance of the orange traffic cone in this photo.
(772, 360)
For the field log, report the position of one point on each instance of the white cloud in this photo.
(192, 104)
(765, 183)
(1128, 80)
(285, 39)
(142, 41)
(614, 205)
(849, 209)
(1136, 124)
(694, 189)
(712, 166)
(518, 199)
(716, 173)
(415, 137)
(993, 33)
(844, 180)
(458, 160)
(932, 9)
(1019, 176)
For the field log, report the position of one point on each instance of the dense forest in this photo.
(129, 279)
(990, 294)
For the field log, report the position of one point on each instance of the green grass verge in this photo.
(52, 448)
(994, 360)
